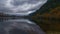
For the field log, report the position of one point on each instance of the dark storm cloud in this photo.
(22, 7)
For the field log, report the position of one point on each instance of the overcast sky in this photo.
(20, 6)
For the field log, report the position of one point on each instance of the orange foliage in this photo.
(54, 12)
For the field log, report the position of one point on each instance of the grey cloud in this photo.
(20, 7)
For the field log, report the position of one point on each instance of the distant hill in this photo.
(48, 17)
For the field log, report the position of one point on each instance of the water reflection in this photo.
(19, 26)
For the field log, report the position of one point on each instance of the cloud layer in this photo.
(20, 7)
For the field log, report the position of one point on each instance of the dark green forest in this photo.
(48, 16)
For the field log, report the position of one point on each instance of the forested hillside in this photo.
(48, 17)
